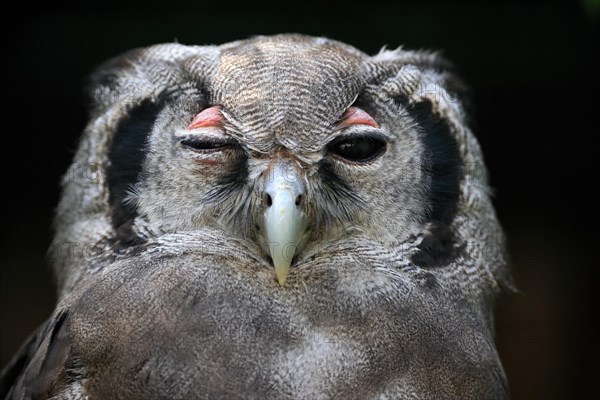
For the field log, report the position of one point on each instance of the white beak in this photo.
(284, 220)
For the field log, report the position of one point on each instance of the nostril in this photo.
(298, 200)
(268, 200)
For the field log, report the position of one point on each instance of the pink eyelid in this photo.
(356, 116)
(211, 116)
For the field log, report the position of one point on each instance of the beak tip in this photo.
(282, 273)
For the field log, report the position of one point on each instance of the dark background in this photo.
(535, 86)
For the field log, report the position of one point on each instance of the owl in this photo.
(283, 217)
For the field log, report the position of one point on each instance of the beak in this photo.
(284, 221)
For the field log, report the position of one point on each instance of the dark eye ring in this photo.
(358, 149)
(207, 145)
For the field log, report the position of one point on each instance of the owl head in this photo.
(288, 143)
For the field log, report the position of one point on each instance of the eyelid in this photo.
(215, 142)
(356, 132)
(209, 117)
(208, 132)
(357, 116)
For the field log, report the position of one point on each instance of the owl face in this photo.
(292, 145)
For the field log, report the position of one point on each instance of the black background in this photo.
(534, 79)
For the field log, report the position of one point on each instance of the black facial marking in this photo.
(427, 280)
(445, 162)
(126, 157)
(437, 248)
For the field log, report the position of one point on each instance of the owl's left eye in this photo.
(358, 149)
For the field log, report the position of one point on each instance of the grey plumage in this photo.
(170, 291)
